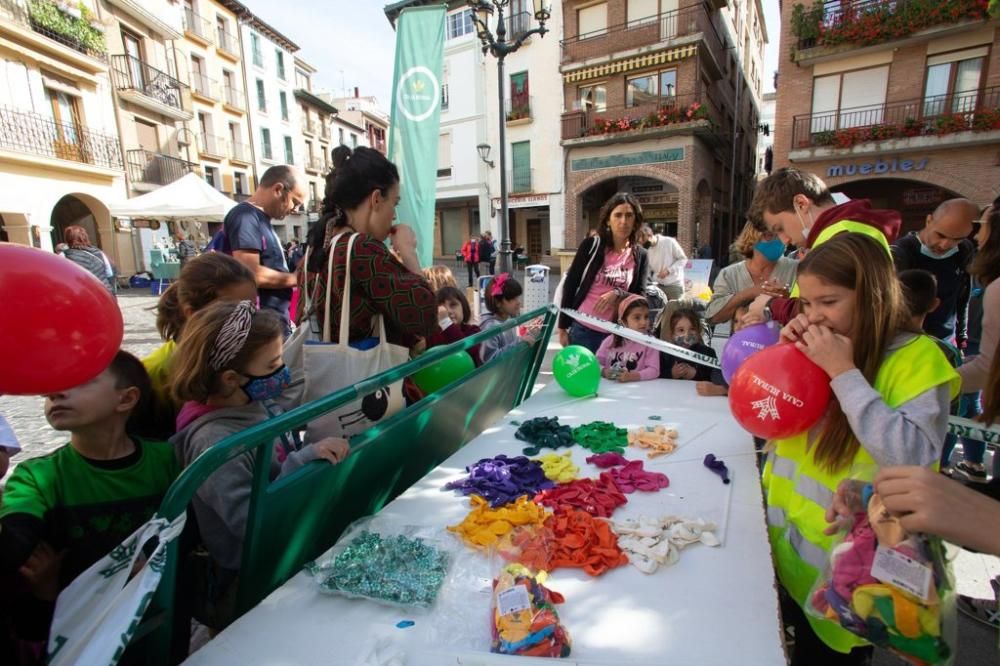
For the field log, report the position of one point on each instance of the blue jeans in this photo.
(969, 406)
(586, 337)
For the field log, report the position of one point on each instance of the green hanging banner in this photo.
(416, 119)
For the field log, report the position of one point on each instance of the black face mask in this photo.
(647, 245)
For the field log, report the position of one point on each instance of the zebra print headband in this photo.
(232, 336)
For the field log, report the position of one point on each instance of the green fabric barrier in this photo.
(297, 518)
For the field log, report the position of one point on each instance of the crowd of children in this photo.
(132, 429)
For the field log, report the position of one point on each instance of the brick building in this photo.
(662, 99)
(886, 103)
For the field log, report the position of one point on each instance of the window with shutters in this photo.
(642, 11)
(849, 99)
(265, 143)
(592, 21)
(444, 155)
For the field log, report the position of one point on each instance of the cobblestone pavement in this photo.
(25, 413)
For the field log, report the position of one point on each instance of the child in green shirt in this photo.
(64, 511)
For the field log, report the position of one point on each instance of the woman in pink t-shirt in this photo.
(607, 267)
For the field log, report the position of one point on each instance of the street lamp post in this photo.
(498, 45)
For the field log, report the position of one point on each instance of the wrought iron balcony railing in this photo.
(656, 112)
(154, 168)
(197, 25)
(74, 31)
(209, 144)
(34, 134)
(226, 41)
(131, 73)
(234, 97)
(921, 116)
(662, 27)
(866, 22)
(204, 86)
(517, 107)
(239, 151)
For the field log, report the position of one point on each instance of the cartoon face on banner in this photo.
(778, 393)
(745, 343)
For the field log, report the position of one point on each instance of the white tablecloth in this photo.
(715, 606)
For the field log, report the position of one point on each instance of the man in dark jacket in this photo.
(943, 248)
(799, 208)
(487, 251)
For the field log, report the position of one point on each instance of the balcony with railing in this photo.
(234, 98)
(140, 83)
(937, 116)
(843, 24)
(519, 180)
(34, 134)
(226, 43)
(310, 127)
(197, 27)
(660, 29)
(517, 25)
(239, 152)
(518, 108)
(648, 119)
(148, 168)
(204, 87)
(211, 146)
(314, 164)
(75, 29)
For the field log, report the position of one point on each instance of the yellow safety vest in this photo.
(839, 228)
(798, 490)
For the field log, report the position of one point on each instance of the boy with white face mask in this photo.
(798, 207)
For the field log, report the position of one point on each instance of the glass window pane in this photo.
(668, 83)
(967, 78)
(936, 88)
(641, 90)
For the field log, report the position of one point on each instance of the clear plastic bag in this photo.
(403, 567)
(525, 621)
(887, 586)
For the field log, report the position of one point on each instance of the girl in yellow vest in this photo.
(892, 387)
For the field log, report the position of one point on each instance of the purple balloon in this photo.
(745, 343)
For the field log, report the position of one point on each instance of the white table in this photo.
(715, 606)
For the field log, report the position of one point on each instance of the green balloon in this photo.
(446, 371)
(577, 371)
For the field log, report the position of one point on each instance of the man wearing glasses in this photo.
(253, 242)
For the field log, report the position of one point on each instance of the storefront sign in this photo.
(655, 199)
(611, 161)
(876, 168)
(922, 196)
(523, 202)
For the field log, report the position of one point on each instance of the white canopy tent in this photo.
(188, 199)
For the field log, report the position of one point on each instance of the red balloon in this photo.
(778, 392)
(59, 326)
